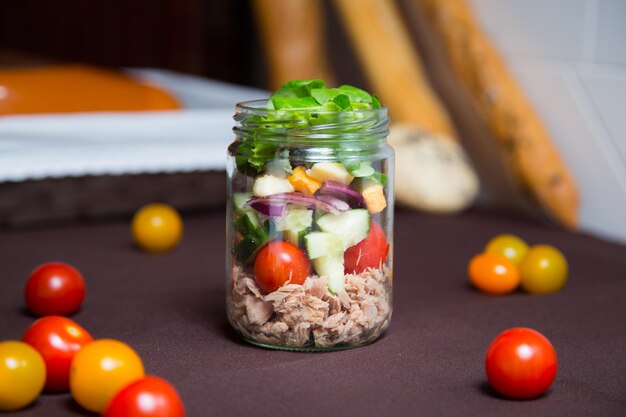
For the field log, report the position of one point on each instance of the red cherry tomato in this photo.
(368, 253)
(147, 397)
(521, 363)
(54, 288)
(278, 262)
(57, 339)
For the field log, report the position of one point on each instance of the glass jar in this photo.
(309, 227)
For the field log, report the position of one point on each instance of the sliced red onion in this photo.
(338, 204)
(296, 198)
(282, 199)
(342, 192)
(274, 205)
(268, 209)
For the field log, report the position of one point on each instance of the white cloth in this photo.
(61, 145)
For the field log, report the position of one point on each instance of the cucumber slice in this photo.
(247, 247)
(295, 219)
(295, 224)
(351, 226)
(323, 244)
(239, 199)
(331, 266)
(246, 223)
(318, 213)
(326, 253)
(270, 228)
(295, 237)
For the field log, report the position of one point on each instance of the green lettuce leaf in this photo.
(375, 102)
(294, 102)
(343, 102)
(363, 169)
(300, 104)
(298, 88)
(355, 94)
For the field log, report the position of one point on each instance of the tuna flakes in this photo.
(309, 315)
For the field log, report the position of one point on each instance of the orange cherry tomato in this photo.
(493, 274)
(57, 339)
(100, 370)
(278, 262)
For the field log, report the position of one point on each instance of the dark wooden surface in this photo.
(170, 308)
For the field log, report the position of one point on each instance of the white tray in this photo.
(69, 145)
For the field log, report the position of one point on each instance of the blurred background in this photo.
(565, 59)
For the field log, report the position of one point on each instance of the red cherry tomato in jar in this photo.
(54, 288)
(521, 363)
(279, 262)
(147, 397)
(57, 339)
(371, 252)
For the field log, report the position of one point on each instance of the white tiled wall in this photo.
(611, 32)
(570, 58)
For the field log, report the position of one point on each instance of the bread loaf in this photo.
(392, 65)
(431, 167)
(520, 133)
(433, 174)
(292, 32)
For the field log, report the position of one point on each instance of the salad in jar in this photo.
(310, 218)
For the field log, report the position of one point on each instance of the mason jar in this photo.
(309, 227)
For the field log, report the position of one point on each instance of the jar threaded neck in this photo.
(256, 121)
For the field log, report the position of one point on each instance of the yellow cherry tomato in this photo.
(510, 246)
(100, 369)
(157, 228)
(544, 270)
(493, 274)
(22, 375)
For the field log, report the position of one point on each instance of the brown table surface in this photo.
(170, 308)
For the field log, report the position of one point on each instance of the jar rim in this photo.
(352, 125)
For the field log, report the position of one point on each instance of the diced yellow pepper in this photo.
(302, 182)
(374, 198)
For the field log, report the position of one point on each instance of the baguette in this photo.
(292, 32)
(384, 47)
(520, 133)
(435, 173)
